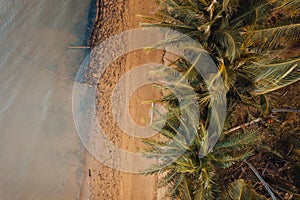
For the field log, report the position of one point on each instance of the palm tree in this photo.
(246, 39)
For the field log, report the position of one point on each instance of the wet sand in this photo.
(102, 182)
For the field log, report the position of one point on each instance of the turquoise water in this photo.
(40, 153)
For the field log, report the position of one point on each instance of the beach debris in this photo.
(79, 47)
(152, 112)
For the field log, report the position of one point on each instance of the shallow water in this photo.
(40, 153)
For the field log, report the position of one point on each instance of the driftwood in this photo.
(79, 47)
(243, 125)
(278, 110)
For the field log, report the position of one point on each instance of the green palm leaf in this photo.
(185, 189)
(240, 190)
(243, 39)
(230, 41)
(291, 8)
(203, 184)
(270, 38)
(240, 140)
(271, 77)
(225, 160)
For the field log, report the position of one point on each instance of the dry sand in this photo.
(102, 182)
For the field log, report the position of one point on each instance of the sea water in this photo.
(40, 152)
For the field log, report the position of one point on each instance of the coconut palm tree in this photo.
(247, 40)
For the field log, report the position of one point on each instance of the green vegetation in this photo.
(252, 43)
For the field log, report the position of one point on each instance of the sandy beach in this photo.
(102, 182)
(60, 135)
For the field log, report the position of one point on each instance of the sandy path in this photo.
(102, 182)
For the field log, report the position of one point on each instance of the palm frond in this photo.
(230, 6)
(203, 184)
(241, 40)
(240, 190)
(271, 77)
(250, 13)
(224, 160)
(185, 189)
(180, 27)
(291, 8)
(270, 38)
(240, 140)
(175, 187)
(230, 41)
(168, 178)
